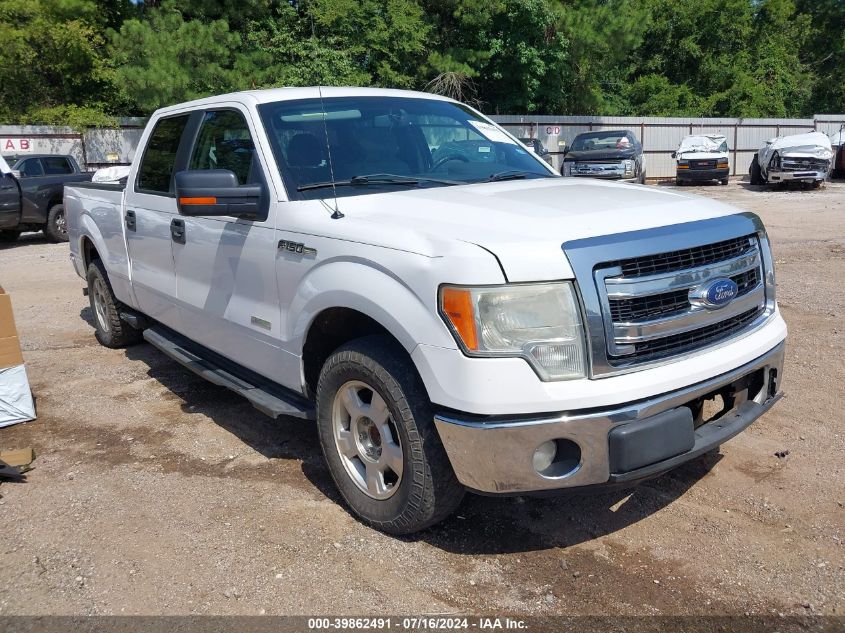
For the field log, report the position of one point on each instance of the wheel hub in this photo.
(367, 440)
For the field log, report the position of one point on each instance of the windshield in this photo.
(603, 140)
(379, 144)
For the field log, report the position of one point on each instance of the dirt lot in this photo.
(157, 493)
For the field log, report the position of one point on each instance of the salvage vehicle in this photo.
(470, 321)
(702, 158)
(614, 154)
(31, 195)
(797, 158)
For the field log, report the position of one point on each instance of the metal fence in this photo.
(95, 148)
(661, 136)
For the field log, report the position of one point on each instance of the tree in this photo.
(163, 59)
(52, 60)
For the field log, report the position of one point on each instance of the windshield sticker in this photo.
(491, 132)
(484, 149)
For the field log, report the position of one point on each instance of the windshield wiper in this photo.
(377, 179)
(511, 174)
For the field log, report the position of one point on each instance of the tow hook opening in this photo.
(557, 458)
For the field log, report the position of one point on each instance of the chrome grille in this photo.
(804, 164)
(653, 306)
(686, 258)
(679, 343)
(647, 312)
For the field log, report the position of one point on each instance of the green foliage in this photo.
(81, 62)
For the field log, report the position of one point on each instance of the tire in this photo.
(817, 184)
(723, 181)
(641, 178)
(109, 329)
(7, 237)
(56, 228)
(369, 384)
(679, 182)
(755, 173)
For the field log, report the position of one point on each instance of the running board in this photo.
(269, 398)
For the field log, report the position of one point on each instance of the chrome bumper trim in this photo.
(495, 455)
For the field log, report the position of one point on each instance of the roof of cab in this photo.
(288, 94)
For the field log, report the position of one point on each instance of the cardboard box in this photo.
(16, 404)
(10, 345)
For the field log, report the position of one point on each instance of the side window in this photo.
(31, 167)
(224, 142)
(56, 165)
(156, 171)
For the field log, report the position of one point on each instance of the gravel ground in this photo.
(157, 493)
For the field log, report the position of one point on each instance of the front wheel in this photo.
(56, 228)
(755, 173)
(376, 428)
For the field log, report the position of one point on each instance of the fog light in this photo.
(545, 455)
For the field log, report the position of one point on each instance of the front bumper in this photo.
(703, 174)
(807, 176)
(623, 444)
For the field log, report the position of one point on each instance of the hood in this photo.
(522, 222)
(600, 154)
(701, 143)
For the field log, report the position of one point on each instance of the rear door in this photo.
(150, 214)
(225, 266)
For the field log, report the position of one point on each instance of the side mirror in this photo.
(674, 154)
(216, 192)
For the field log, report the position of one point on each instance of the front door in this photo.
(150, 212)
(225, 266)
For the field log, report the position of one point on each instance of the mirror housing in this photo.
(216, 192)
(674, 154)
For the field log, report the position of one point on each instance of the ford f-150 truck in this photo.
(452, 313)
(31, 190)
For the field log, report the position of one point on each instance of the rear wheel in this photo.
(56, 227)
(724, 181)
(109, 328)
(9, 236)
(376, 428)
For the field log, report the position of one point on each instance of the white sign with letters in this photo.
(15, 145)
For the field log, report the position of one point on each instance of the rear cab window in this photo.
(56, 165)
(155, 173)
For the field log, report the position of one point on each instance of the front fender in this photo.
(375, 292)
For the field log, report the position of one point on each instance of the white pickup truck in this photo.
(452, 313)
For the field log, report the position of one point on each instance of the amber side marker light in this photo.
(190, 201)
(457, 306)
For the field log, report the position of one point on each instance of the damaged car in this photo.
(702, 158)
(797, 158)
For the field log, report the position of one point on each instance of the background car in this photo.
(612, 154)
(701, 158)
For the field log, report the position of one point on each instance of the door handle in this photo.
(177, 230)
(130, 221)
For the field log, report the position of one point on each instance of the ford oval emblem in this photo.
(716, 293)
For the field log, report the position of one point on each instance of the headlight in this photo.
(538, 322)
(629, 166)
